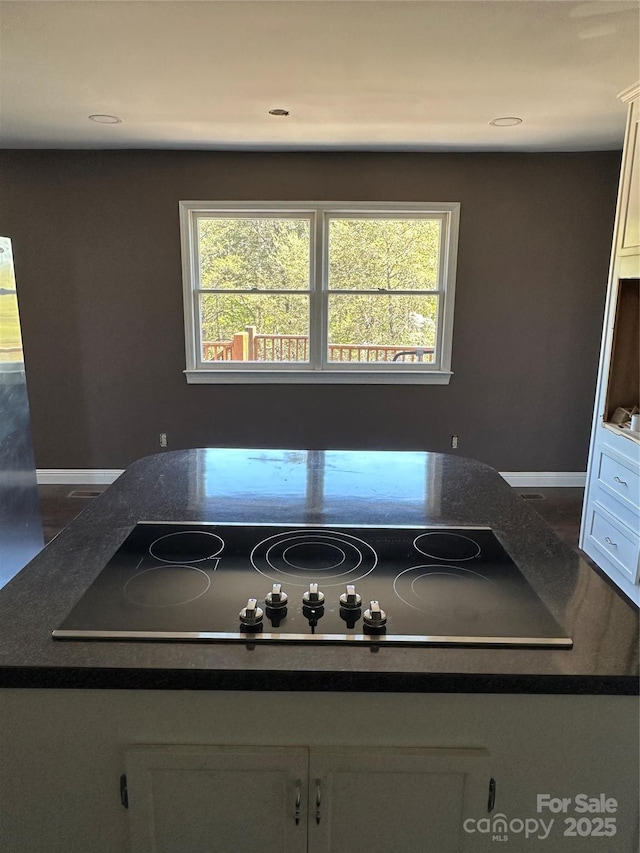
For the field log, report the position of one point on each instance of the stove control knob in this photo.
(313, 597)
(251, 615)
(276, 599)
(375, 617)
(350, 599)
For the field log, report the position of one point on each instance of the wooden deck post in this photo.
(239, 346)
(251, 343)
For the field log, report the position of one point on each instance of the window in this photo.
(318, 292)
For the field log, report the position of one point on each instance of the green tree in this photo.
(259, 254)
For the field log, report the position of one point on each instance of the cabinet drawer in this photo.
(617, 542)
(620, 477)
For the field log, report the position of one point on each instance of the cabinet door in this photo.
(204, 799)
(630, 198)
(395, 800)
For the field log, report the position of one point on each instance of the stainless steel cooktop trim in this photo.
(387, 639)
(311, 526)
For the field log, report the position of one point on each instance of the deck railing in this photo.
(378, 352)
(217, 350)
(249, 346)
(279, 347)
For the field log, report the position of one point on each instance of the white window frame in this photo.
(319, 213)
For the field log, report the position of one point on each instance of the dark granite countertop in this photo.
(315, 487)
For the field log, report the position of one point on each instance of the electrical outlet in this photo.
(454, 442)
(163, 439)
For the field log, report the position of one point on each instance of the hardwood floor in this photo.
(560, 507)
(59, 505)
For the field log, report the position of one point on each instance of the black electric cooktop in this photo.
(338, 584)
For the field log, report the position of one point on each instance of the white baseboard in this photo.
(77, 476)
(542, 479)
(104, 476)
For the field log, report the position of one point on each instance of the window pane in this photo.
(395, 254)
(376, 328)
(269, 254)
(10, 338)
(254, 327)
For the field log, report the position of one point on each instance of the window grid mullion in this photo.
(265, 292)
(378, 292)
(196, 310)
(317, 319)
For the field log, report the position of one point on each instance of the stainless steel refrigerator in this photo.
(21, 534)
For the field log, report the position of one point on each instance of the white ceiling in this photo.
(391, 75)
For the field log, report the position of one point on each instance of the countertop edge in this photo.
(68, 678)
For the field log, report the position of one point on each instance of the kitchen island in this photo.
(556, 721)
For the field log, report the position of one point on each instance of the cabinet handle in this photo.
(298, 800)
(618, 480)
(491, 804)
(610, 542)
(318, 800)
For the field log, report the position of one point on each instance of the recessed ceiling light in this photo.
(279, 112)
(506, 121)
(105, 119)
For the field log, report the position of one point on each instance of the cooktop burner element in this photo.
(429, 588)
(297, 556)
(167, 586)
(343, 584)
(186, 546)
(445, 545)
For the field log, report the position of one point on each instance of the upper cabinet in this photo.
(611, 514)
(619, 385)
(628, 236)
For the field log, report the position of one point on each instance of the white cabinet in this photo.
(628, 237)
(201, 799)
(226, 799)
(610, 532)
(63, 752)
(616, 542)
(395, 800)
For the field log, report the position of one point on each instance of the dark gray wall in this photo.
(97, 254)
